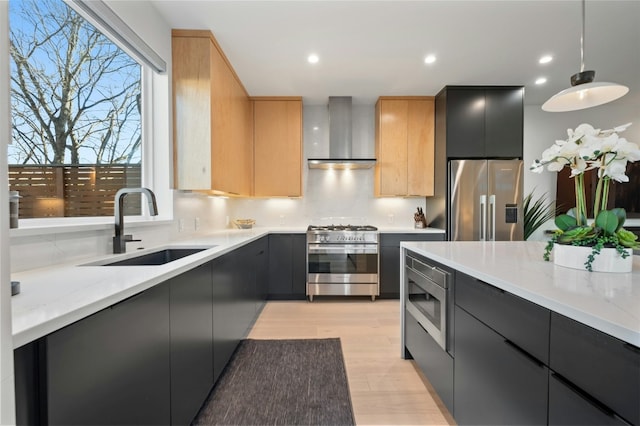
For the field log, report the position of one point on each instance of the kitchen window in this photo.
(77, 109)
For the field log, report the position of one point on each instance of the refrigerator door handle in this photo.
(492, 218)
(483, 217)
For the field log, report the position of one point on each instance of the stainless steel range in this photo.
(342, 260)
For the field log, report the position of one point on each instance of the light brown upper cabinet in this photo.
(212, 118)
(404, 146)
(277, 146)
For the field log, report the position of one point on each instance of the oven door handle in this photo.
(343, 249)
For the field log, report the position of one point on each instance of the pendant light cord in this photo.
(582, 39)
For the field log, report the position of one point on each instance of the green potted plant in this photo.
(587, 148)
(536, 212)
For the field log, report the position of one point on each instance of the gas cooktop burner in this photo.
(342, 228)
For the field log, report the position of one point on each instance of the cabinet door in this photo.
(226, 316)
(192, 112)
(280, 265)
(278, 147)
(213, 136)
(495, 382)
(299, 266)
(112, 367)
(602, 366)
(519, 320)
(391, 147)
(569, 406)
(191, 342)
(420, 148)
(504, 118)
(435, 363)
(261, 252)
(465, 123)
(390, 272)
(287, 266)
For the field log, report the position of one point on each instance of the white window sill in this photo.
(31, 227)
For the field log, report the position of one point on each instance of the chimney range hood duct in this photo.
(340, 139)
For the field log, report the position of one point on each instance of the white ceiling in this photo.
(376, 48)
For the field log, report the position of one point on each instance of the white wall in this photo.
(332, 196)
(542, 129)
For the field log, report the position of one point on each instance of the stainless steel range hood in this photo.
(340, 139)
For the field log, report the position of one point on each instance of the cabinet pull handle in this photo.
(588, 398)
(524, 353)
(632, 348)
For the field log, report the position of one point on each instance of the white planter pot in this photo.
(609, 260)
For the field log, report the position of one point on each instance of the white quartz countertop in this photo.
(53, 297)
(609, 302)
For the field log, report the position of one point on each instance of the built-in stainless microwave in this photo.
(427, 298)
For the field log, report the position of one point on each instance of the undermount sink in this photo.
(159, 257)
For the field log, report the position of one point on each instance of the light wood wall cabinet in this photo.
(212, 118)
(404, 146)
(277, 146)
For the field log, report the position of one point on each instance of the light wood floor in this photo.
(385, 389)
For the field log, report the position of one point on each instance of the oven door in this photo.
(426, 301)
(342, 263)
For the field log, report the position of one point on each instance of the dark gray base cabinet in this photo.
(435, 363)
(112, 367)
(603, 370)
(519, 363)
(389, 274)
(568, 405)
(191, 343)
(495, 382)
(287, 266)
(151, 359)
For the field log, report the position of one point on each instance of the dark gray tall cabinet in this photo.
(473, 122)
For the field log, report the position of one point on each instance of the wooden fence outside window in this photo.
(74, 190)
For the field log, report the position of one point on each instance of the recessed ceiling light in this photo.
(429, 59)
(545, 59)
(541, 80)
(313, 58)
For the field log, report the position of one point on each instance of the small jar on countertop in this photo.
(14, 208)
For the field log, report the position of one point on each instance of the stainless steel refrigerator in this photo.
(485, 200)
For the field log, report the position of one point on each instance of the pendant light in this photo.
(584, 93)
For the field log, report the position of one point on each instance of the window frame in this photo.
(152, 159)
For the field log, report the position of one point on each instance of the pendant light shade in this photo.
(584, 96)
(584, 93)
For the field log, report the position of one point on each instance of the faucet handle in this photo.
(129, 238)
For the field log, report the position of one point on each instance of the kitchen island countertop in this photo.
(608, 302)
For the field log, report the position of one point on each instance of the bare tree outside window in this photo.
(75, 96)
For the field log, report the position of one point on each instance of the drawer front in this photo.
(522, 322)
(604, 367)
(435, 363)
(495, 383)
(569, 406)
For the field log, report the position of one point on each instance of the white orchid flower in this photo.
(556, 166)
(580, 131)
(616, 170)
(617, 129)
(628, 150)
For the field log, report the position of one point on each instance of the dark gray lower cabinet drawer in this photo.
(495, 382)
(435, 363)
(522, 322)
(569, 406)
(604, 367)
